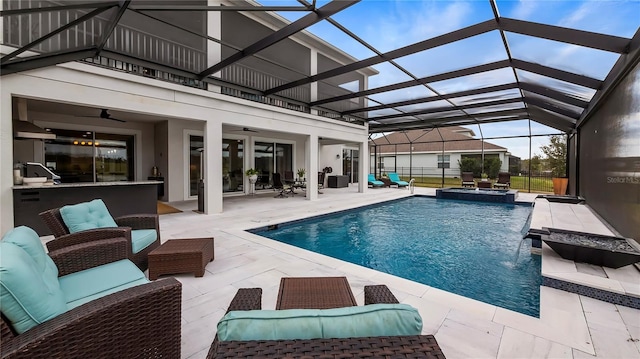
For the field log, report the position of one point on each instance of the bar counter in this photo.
(121, 198)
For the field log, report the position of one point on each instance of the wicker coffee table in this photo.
(181, 256)
(314, 293)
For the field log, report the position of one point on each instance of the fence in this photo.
(433, 177)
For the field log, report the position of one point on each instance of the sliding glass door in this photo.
(232, 165)
(196, 146)
(350, 164)
(272, 157)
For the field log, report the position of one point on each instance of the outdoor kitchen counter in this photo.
(121, 198)
(88, 184)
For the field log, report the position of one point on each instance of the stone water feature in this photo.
(607, 251)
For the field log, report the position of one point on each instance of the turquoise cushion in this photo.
(142, 238)
(87, 215)
(28, 294)
(365, 321)
(89, 284)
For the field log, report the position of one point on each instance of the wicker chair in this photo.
(413, 346)
(138, 322)
(63, 238)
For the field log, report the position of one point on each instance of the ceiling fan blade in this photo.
(247, 129)
(104, 114)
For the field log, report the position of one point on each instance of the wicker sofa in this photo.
(414, 346)
(142, 321)
(63, 238)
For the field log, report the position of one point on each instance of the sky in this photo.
(391, 24)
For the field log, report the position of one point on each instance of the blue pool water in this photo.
(468, 248)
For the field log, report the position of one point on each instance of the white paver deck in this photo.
(570, 325)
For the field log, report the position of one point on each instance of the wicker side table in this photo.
(181, 256)
(314, 293)
(385, 180)
(484, 184)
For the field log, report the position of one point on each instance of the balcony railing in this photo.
(20, 30)
(256, 79)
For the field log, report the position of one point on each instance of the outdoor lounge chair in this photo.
(141, 320)
(467, 179)
(138, 229)
(504, 180)
(395, 180)
(402, 346)
(373, 182)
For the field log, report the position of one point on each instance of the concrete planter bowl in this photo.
(606, 251)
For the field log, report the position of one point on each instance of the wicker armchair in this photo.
(139, 322)
(63, 238)
(413, 346)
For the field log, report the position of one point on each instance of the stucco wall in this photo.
(609, 157)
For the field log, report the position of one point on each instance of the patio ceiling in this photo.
(502, 83)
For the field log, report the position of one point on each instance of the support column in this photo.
(6, 159)
(313, 91)
(311, 163)
(212, 167)
(214, 49)
(363, 166)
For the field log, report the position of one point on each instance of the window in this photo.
(86, 156)
(444, 161)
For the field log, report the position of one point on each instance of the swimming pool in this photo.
(468, 248)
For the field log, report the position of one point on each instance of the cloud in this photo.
(407, 22)
(438, 21)
(524, 9)
(577, 16)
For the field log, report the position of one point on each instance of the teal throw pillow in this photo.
(87, 215)
(364, 321)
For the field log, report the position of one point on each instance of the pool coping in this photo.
(253, 230)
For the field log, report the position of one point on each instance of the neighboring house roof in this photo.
(457, 139)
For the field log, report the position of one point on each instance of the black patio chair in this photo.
(278, 185)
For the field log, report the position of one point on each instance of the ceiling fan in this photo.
(245, 129)
(105, 115)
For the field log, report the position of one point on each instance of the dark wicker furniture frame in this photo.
(190, 255)
(139, 322)
(467, 179)
(63, 238)
(414, 346)
(314, 293)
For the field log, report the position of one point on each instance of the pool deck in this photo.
(570, 325)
